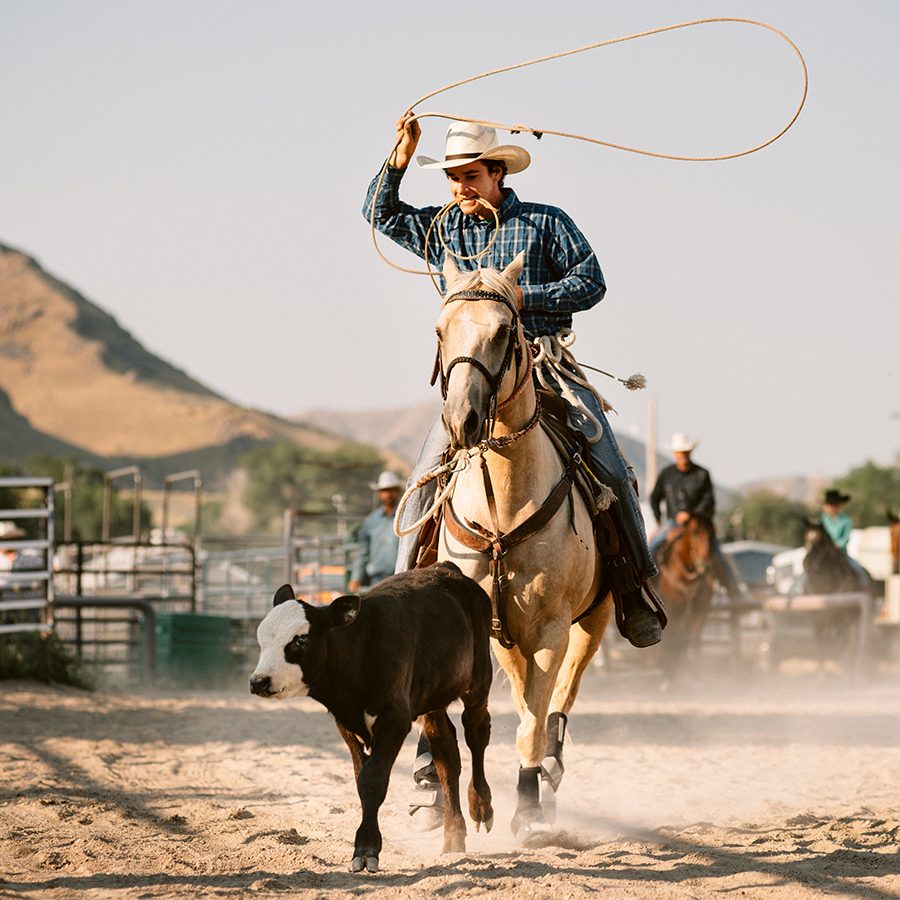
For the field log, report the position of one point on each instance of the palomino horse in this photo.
(685, 583)
(544, 583)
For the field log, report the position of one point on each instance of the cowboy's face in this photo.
(475, 180)
(388, 498)
(682, 459)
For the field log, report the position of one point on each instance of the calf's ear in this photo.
(283, 594)
(343, 610)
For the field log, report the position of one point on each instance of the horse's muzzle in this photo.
(466, 431)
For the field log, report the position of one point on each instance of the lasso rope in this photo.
(538, 132)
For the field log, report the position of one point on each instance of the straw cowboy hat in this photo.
(388, 481)
(10, 531)
(834, 497)
(681, 443)
(467, 142)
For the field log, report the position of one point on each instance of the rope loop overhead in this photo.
(539, 132)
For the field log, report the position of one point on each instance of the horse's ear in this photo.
(450, 271)
(514, 269)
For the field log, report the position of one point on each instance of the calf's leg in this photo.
(355, 746)
(441, 734)
(477, 726)
(388, 733)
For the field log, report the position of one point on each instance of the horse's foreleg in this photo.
(541, 670)
(584, 640)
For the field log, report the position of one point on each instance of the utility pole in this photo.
(650, 447)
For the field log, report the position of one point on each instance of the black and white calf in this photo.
(415, 643)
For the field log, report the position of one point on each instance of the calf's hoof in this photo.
(369, 863)
(487, 821)
(454, 843)
(480, 809)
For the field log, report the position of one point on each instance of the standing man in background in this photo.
(377, 542)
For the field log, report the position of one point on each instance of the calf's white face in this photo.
(283, 632)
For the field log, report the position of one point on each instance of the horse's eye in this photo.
(438, 332)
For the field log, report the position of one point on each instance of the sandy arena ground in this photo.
(788, 789)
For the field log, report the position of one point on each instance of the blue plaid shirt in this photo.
(561, 274)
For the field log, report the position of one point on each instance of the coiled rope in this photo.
(538, 132)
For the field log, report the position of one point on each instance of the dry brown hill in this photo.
(75, 380)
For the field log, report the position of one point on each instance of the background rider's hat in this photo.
(681, 443)
(834, 497)
(467, 142)
(9, 531)
(388, 481)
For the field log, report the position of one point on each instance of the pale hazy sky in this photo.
(197, 169)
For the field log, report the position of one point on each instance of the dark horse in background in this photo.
(827, 568)
(685, 583)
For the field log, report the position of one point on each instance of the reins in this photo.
(538, 132)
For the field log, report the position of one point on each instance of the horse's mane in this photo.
(491, 278)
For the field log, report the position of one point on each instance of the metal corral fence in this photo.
(26, 542)
(201, 605)
(112, 596)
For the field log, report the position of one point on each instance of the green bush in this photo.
(29, 655)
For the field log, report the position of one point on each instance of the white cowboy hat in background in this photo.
(10, 531)
(681, 443)
(388, 481)
(467, 142)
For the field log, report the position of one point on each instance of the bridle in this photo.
(515, 352)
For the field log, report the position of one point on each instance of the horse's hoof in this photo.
(426, 806)
(369, 863)
(534, 834)
(528, 827)
(548, 800)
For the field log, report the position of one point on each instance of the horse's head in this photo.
(816, 539)
(697, 544)
(480, 346)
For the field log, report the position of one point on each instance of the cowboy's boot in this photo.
(640, 614)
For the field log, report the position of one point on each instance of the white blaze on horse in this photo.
(548, 573)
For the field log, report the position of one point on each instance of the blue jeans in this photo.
(609, 464)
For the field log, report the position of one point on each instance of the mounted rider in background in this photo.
(686, 489)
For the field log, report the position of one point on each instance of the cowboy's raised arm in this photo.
(404, 224)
